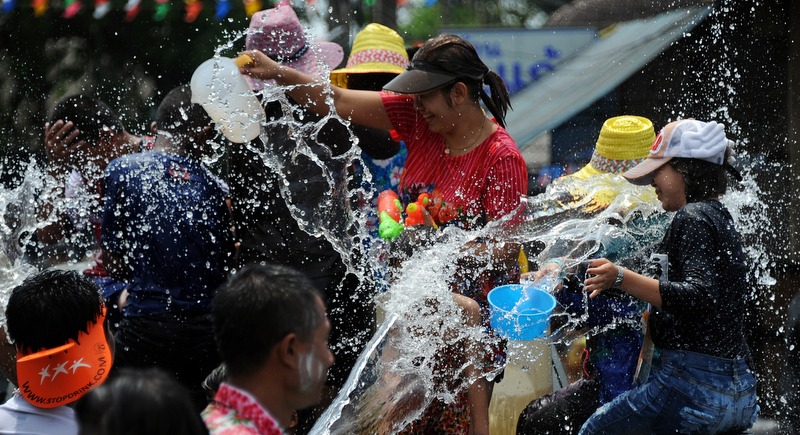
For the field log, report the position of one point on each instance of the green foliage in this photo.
(424, 23)
(465, 16)
(130, 65)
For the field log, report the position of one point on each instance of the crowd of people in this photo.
(209, 310)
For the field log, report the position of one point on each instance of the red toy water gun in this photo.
(414, 214)
(441, 211)
(390, 221)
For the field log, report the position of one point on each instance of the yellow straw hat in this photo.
(625, 138)
(376, 49)
(623, 143)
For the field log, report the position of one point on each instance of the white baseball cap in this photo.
(687, 138)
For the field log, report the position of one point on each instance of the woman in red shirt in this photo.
(453, 147)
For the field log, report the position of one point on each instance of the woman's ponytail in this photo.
(499, 102)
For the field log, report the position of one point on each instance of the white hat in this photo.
(687, 138)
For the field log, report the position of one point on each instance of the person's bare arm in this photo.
(362, 107)
(479, 393)
(46, 210)
(604, 273)
(500, 255)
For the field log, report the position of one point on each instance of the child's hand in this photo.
(262, 67)
(60, 142)
(532, 276)
(552, 267)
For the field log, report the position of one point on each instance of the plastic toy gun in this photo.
(390, 216)
(441, 212)
(390, 220)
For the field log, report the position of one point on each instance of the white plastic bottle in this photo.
(218, 86)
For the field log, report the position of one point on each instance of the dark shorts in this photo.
(183, 346)
(562, 412)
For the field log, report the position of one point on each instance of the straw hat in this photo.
(623, 143)
(376, 49)
(279, 34)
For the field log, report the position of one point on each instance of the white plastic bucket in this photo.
(218, 86)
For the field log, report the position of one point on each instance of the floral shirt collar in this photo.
(234, 411)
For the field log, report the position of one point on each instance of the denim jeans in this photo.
(690, 393)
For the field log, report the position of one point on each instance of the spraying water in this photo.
(396, 376)
(18, 208)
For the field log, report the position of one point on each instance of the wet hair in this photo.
(180, 117)
(90, 116)
(703, 180)
(50, 308)
(458, 56)
(256, 309)
(139, 401)
(212, 382)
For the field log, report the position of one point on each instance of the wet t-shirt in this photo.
(167, 215)
(483, 185)
(704, 295)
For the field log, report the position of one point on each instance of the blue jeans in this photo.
(691, 393)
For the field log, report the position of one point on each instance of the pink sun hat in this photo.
(278, 33)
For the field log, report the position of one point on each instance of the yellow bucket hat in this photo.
(623, 143)
(625, 138)
(376, 49)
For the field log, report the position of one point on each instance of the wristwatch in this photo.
(618, 281)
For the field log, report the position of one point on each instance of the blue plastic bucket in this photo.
(520, 321)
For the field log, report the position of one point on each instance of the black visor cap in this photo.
(420, 77)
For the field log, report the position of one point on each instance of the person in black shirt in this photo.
(704, 382)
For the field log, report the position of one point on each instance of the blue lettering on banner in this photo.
(523, 56)
(517, 75)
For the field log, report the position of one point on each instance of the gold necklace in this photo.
(447, 148)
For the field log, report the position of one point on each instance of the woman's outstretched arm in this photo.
(362, 107)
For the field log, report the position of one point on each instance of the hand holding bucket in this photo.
(218, 86)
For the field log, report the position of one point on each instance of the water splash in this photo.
(18, 208)
(395, 378)
(400, 371)
(401, 363)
